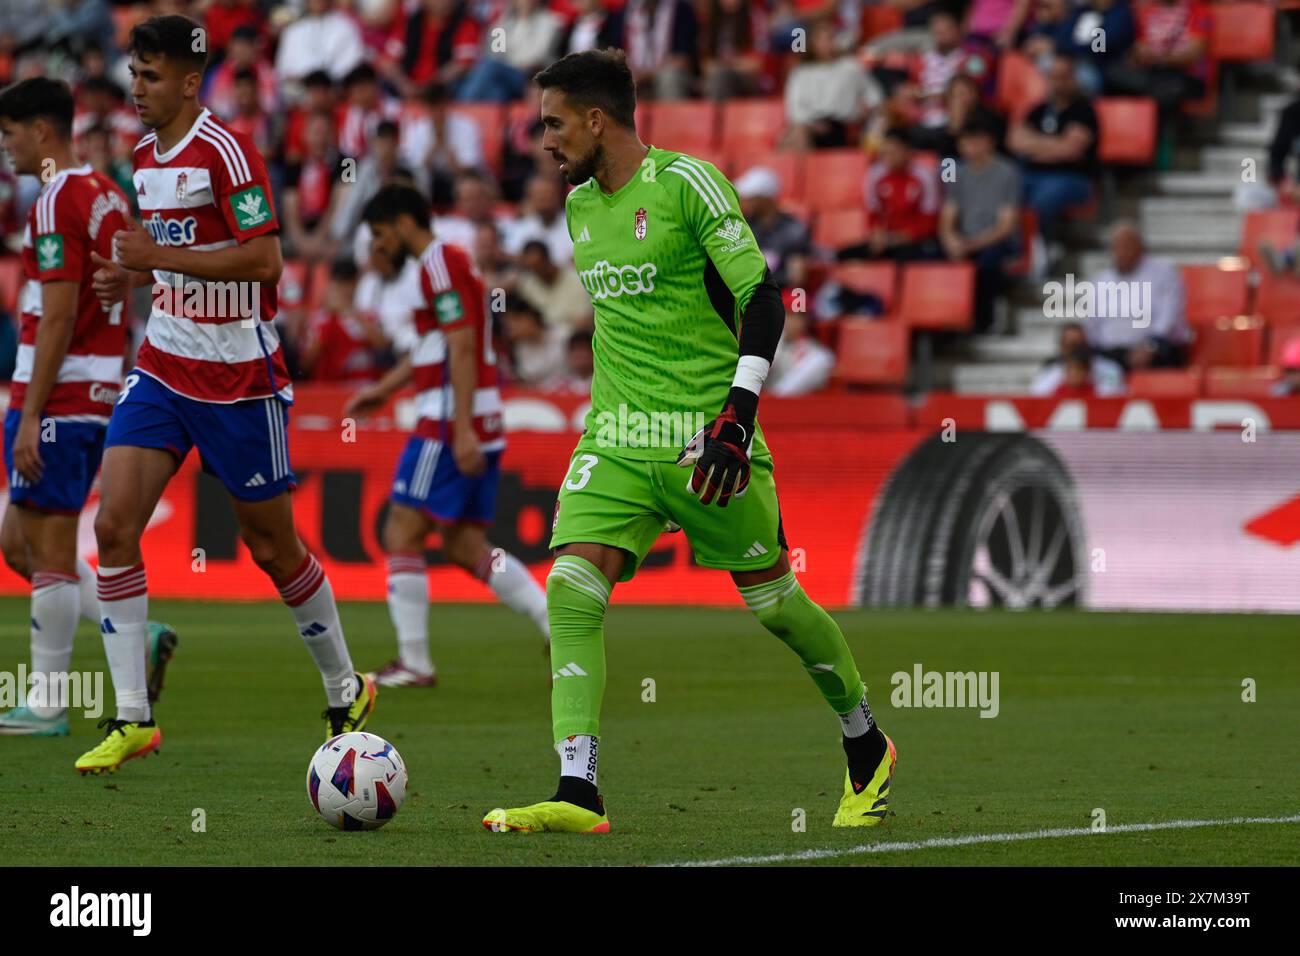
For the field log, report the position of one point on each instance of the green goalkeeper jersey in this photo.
(670, 264)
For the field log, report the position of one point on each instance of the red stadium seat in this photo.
(880, 18)
(11, 283)
(752, 125)
(292, 290)
(1127, 132)
(1028, 229)
(872, 352)
(1278, 298)
(879, 278)
(687, 126)
(1281, 335)
(1237, 341)
(835, 178)
(1165, 383)
(1213, 292)
(1241, 32)
(1280, 227)
(787, 166)
(1228, 382)
(490, 118)
(1020, 86)
(938, 295)
(838, 228)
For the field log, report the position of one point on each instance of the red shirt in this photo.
(453, 297)
(464, 44)
(905, 201)
(209, 191)
(1164, 28)
(77, 213)
(345, 354)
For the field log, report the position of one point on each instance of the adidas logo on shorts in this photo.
(256, 481)
(569, 670)
(755, 550)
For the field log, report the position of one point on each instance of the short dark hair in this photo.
(394, 200)
(317, 78)
(517, 303)
(361, 73)
(594, 78)
(343, 270)
(40, 98)
(245, 75)
(977, 126)
(580, 337)
(102, 84)
(900, 134)
(386, 128)
(540, 246)
(170, 36)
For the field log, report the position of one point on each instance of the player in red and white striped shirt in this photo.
(210, 373)
(68, 370)
(448, 474)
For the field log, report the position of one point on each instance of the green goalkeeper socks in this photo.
(783, 608)
(576, 597)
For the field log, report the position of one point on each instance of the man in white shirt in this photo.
(441, 140)
(544, 220)
(1139, 306)
(1106, 375)
(802, 365)
(323, 38)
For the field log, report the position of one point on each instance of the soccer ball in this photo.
(356, 781)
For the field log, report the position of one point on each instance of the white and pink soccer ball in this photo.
(356, 781)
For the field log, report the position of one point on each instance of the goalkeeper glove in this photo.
(719, 452)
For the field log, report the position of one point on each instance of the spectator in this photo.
(340, 343)
(244, 52)
(387, 289)
(980, 217)
(1169, 61)
(732, 49)
(660, 37)
(961, 104)
(802, 365)
(97, 151)
(579, 363)
(521, 153)
(595, 27)
(903, 198)
(365, 107)
(557, 294)
(323, 38)
(782, 237)
(537, 353)
(443, 141)
(1105, 375)
(529, 35)
(1057, 147)
(543, 218)
(430, 41)
(1060, 28)
(475, 196)
(11, 223)
(312, 192)
(1284, 155)
(947, 57)
(826, 95)
(318, 97)
(247, 115)
(496, 268)
(380, 165)
(997, 21)
(1143, 324)
(101, 102)
(1289, 383)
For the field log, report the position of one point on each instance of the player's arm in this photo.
(256, 259)
(53, 336)
(462, 353)
(373, 396)
(720, 453)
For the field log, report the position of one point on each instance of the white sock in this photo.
(124, 616)
(515, 588)
(408, 605)
(858, 721)
(578, 757)
(311, 601)
(55, 602)
(88, 586)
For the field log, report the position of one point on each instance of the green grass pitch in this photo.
(1139, 715)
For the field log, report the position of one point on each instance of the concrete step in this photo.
(1032, 344)
(1227, 160)
(1196, 184)
(1001, 378)
(1175, 206)
(1246, 134)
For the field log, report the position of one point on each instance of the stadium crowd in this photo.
(869, 143)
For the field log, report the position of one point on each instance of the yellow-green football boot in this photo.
(124, 740)
(866, 805)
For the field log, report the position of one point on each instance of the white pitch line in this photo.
(981, 838)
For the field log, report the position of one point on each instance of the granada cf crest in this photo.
(181, 187)
(639, 232)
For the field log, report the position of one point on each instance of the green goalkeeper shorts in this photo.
(625, 503)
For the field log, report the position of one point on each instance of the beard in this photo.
(582, 170)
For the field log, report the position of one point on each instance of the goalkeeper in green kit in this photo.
(687, 321)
